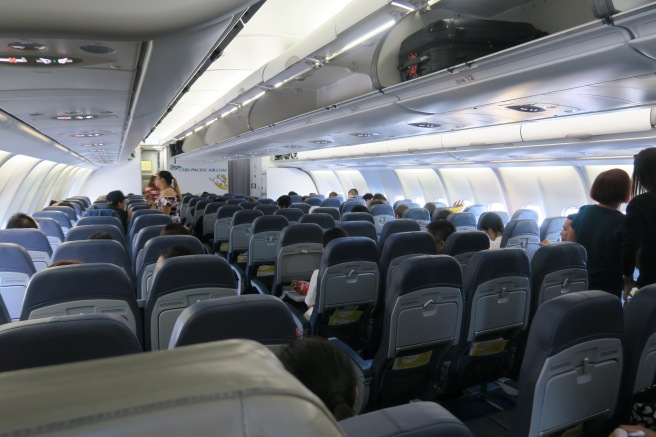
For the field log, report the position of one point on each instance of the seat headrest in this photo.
(426, 271)
(268, 223)
(359, 229)
(555, 256)
(465, 241)
(358, 216)
(297, 233)
(227, 211)
(156, 245)
(462, 219)
(245, 216)
(326, 221)
(292, 214)
(92, 251)
(486, 265)
(519, 227)
(417, 214)
(30, 239)
(395, 226)
(14, 258)
(525, 214)
(191, 271)
(407, 243)
(349, 249)
(382, 209)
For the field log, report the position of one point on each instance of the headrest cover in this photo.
(465, 241)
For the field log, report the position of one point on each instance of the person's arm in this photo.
(311, 295)
(635, 429)
(634, 230)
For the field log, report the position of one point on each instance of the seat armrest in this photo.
(365, 366)
(260, 287)
(240, 276)
(302, 324)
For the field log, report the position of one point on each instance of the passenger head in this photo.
(100, 235)
(325, 370)
(443, 214)
(174, 251)
(352, 192)
(333, 194)
(116, 200)
(174, 229)
(431, 207)
(492, 225)
(333, 234)
(567, 226)
(440, 230)
(284, 201)
(65, 262)
(644, 171)
(65, 203)
(151, 182)
(292, 193)
(398, 212)
(380, 196)
(368, 197)
(376, 202)
(360, 208)
(167, 178)
(21, 221)
(611, 187)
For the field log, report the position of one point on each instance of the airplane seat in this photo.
(222, 227)
(556, 269)
(522, 233)
(418, 419)
(184, 205)
(296, 198)
(208, 220)
(525, 214)
(147, 220)
(98, 204)
(177, 283)
(318, 196)
(420, 215)
(246, 204)
(199, 210)
(65, 339)
(240, 233)
(33, 241)
(4, 312)
(305, 207)
(52, 229)
(267, 208)
(95, 251)
(69, 211)
(265, 233)
(463, 221)
(239, 196)
(298, 255)
(147, 259)
(266, 201)
(82, 289)
(422, 318)
(477, 210)
(80, 233)
(382, 214)
(394, 227)
(497, 295)
(639, 347)
(262, 318)
(313, 201)
(292, 214)
(331, 202)
(358, 216)
(234, 201)
(101, 220)
(100, 212)
(16, 269)
(333, 212)
(60, 217)
(462, 245)
(326, 221)
(347, 206)
(438, 210)
(571, 372)
(359, 228)
(191, 209)
(76, 207)
(551, 227)
(139, 241)
(84, 199)
(399, 202)
(413, 205)
(347, 290)
(138, 207)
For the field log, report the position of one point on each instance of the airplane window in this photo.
(534, 207)
(441, 200)
(570, 210)
(496, 206)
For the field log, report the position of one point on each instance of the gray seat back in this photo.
(33, 241)
(522, 233)
(16, 269)
(52, 229)
(299, 253)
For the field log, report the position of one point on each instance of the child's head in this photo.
(440, 230)
(333, 234)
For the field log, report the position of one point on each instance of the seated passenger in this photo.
(380, 196)
(431, 207)
(174, 251)
(292, 193)
(311, 296)
(368, 197)
(326, 371)
(21, 221)
(174, 229)
(634, 430)
(333, 194)
(359, 208)
(567, 225)
(398, 212)
(352, 193)
(492, 225)
(116, 202)
(284, 201)
(440, 230)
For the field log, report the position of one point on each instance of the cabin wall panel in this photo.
(125, 177)
(283, 180)
(325, 181)
(352, 179)
(12, 174)
(477, 185)
(420, 185)
(31, 195)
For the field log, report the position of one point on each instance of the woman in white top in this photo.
(492, 225)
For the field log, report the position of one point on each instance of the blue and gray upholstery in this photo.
(359, 228)
(65, 339)
(400, 202)
(332, 202)
(357, 216)
(305, 207)
(266, 201)
(249, 204)
(334, 213)
(556, 269)
(265, 233)
(16, 269)
(34, 241)
(145, 264)
(418, 419)
(69, 211)
(4, 313)
(292, 214)
(382, 213)
(102, 220)
(522, 233)
(78, 233)
(191, 209)
(240, 233)
(142, 212)
(209, 218)
(177, 283)
(60, 217)
(477, 210)
(222, 227)
(263, 318)
(462, 245)
(347, 206)
(326, 221)
(571, 372)
(184, 206)
(100, 209)
(551, 227)
(525, 214)
(139, 241)
(267, 208)
(138, 207)
(313, 201)
(82, 289)
(95, 251)
(319, 196)
(199, 210)
(296, 198)
(52, 229)
(394, 227)
(463, 221)
(147, 220)
(233, 201)
(347, 289)
(420, 215)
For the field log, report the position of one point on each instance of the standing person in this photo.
(639, 237)
(170, 195)
(599, 229)
(151, 188)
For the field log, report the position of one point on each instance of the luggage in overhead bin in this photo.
(606, 8)
(448, 42)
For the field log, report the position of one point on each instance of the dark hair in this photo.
(571, 216)
(367, 196)
(431, 207)
(66, 203)
(333, 234)
(353, 192)
(644, 171)
(173, 251)
(21, 220)
(325, 370)
(376, 202)
(66, 262)
(491, 220)
(401, 209)
(359, 208)
(611, 187)
(100, 235)
(380, 196)
(170, 180)
(332, 194)
(174, 229)
(292, 193)
(284, 201)
(115, 197)
(440, 229)
(443, 214)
